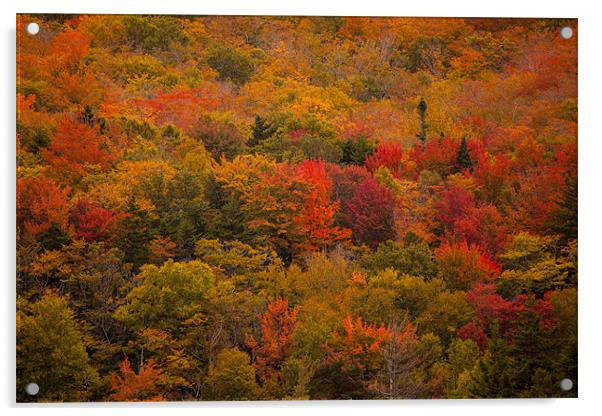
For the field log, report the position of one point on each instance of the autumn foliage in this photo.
(316, 217)
(461, 265)
(41, 203)
(129, 386)
(371, 213)
(275, 344)
(93, 222)
(275, 208)
(76, 150)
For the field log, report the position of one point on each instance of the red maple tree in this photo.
(93, 222)
(371, 213)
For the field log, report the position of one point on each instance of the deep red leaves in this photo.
(491, 309)
(370, 213)
(463, 220)
(474, 331)
(455, 202)
(389, 155)
(93, 222)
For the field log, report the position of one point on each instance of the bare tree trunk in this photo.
(401, 359)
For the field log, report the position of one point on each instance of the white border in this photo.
(511, 8)
(590, 180)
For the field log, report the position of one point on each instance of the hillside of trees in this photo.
(292, 208)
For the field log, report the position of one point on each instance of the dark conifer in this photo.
(422, 116)
(463, 160)
(261, 131)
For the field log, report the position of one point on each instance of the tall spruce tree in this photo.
(422, 116)
(495, 374)
(260, 131)
(463, 160)
(565, 218)
(135, 234)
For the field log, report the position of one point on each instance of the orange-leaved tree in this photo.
(275, 343)
(76, 150)
(129, 386)
(462, 265)
(315, 221)
(41, 205)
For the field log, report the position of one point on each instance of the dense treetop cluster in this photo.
(249, 208)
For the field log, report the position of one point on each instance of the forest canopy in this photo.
(265, 208)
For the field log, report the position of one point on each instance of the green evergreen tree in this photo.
(88, 116)
(423, 125)
(463, 160)
(183, 213)
(565, 359)
(339, 380)
(354, 151)
(54, 238)
(564, 219)
(135, 234)
(225, 217)
(533, 345)
(495, 374)
(260, 131)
